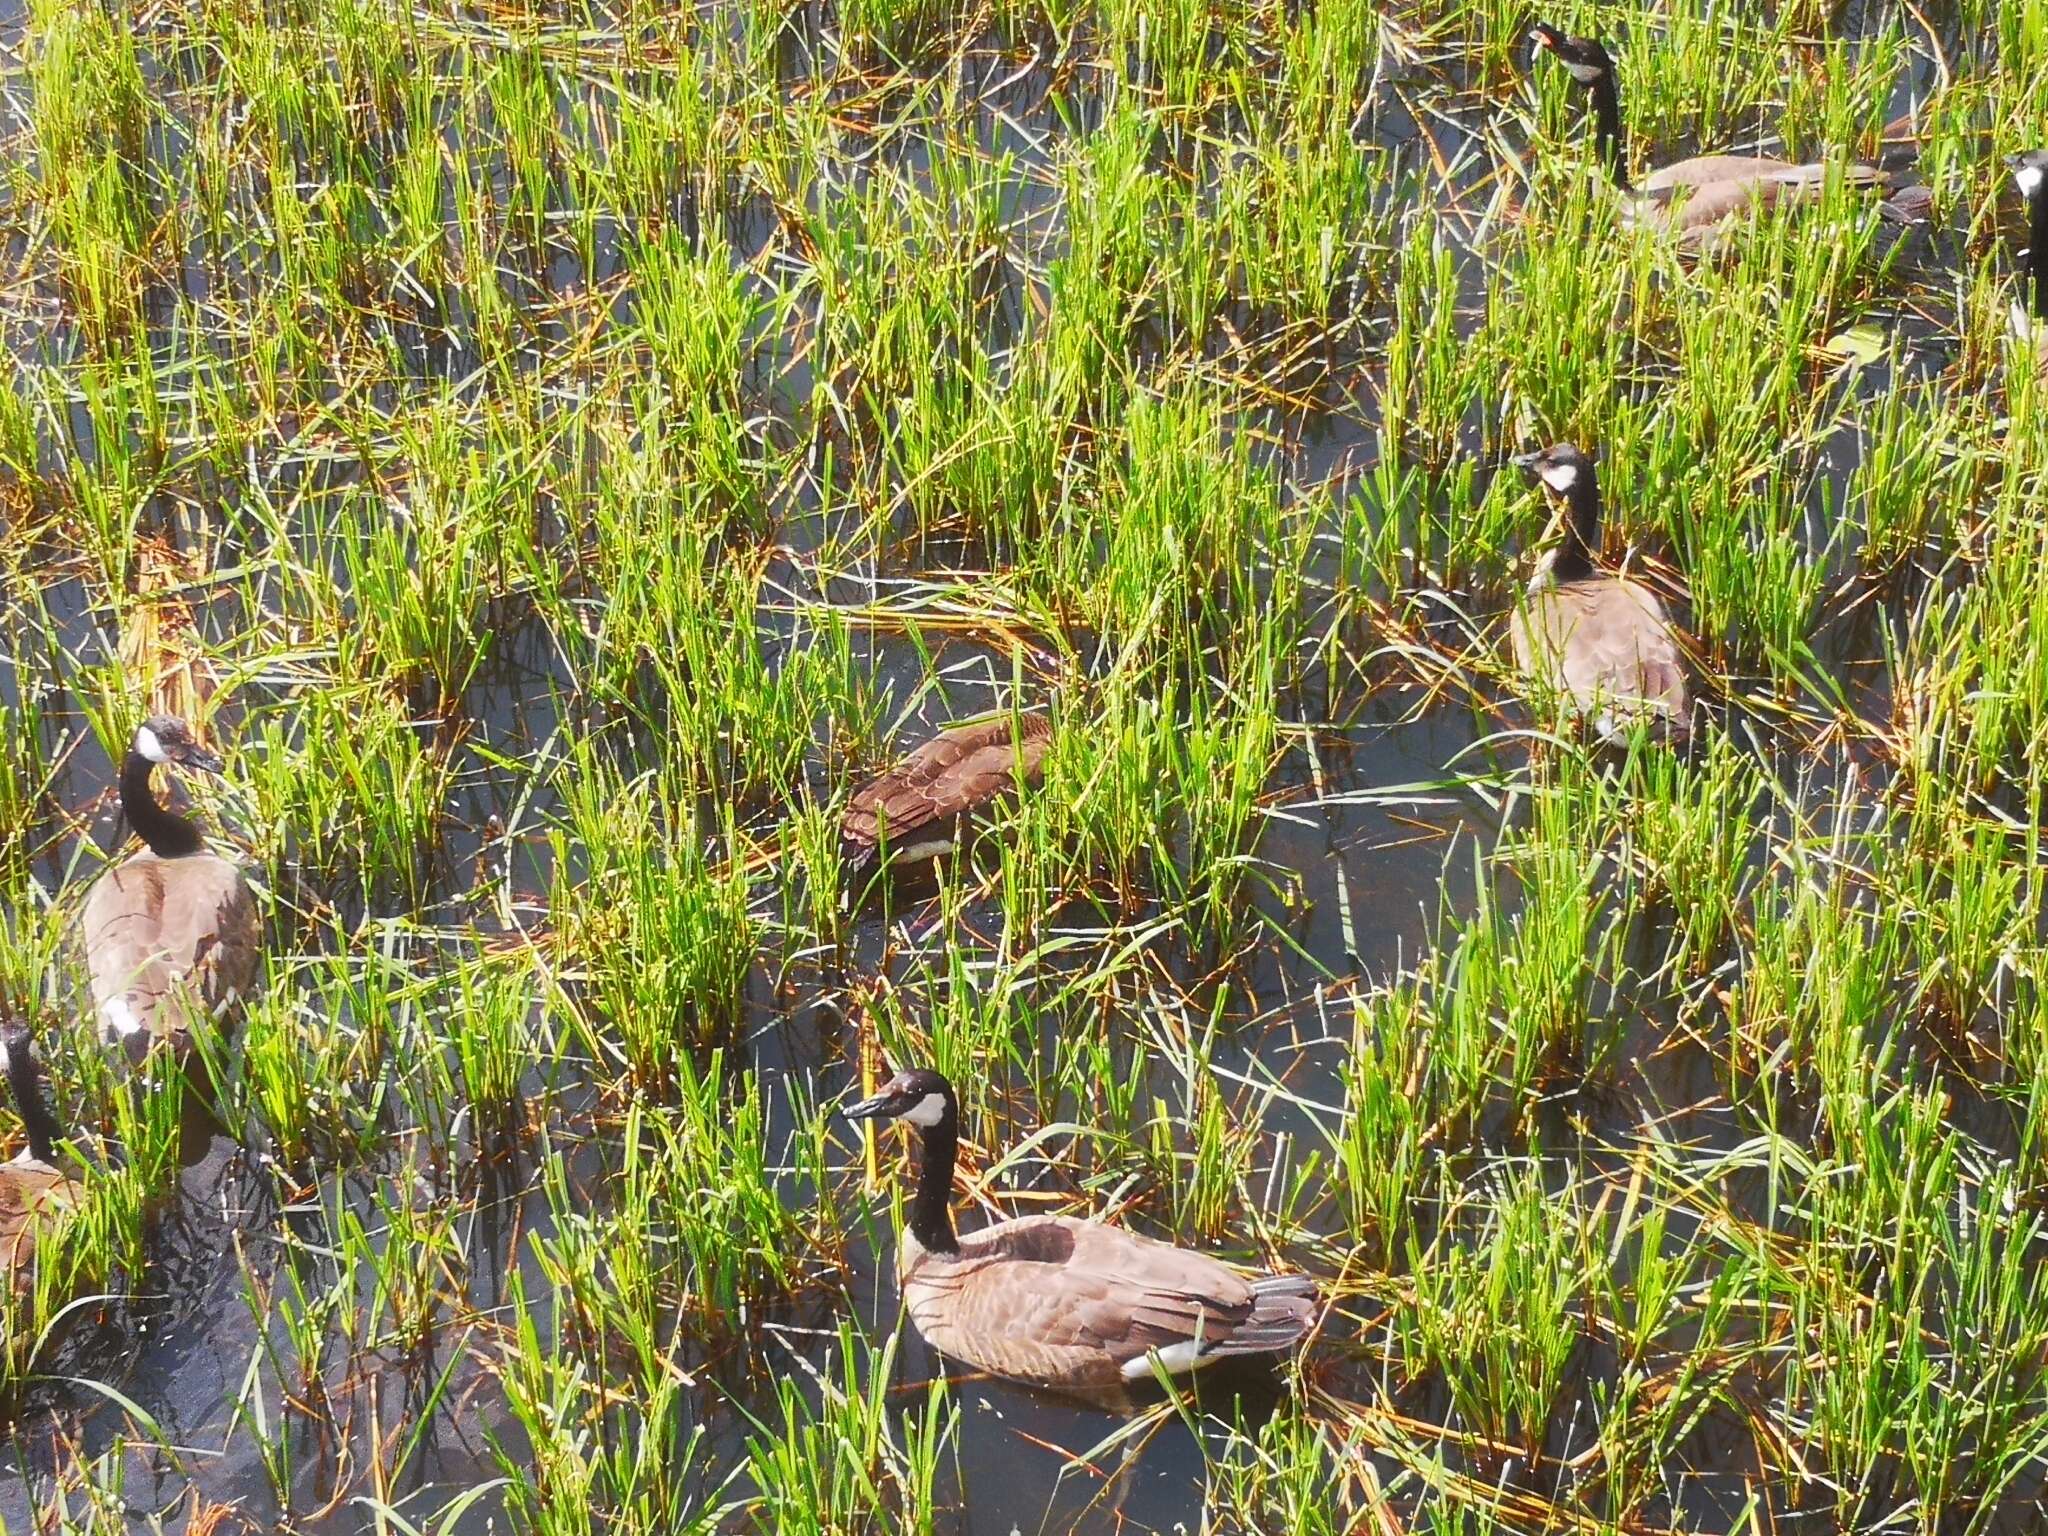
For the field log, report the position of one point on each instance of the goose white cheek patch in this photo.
(147, 744)
(1559, 477)
(1585, 74)
(929, 1110)
(2029, 178)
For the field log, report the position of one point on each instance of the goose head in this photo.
(1583, 58)
(1562, 467)
(919, 1095)
(167, 739)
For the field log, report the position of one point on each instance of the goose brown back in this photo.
(917, 807)
(32, 1194)
(1695, 198)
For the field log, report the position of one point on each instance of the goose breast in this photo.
(157, 930)
(1606, 644)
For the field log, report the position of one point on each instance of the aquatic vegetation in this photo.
(560, 449)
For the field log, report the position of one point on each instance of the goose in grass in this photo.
(33, 1190)
(1696, 199)
(2030, 314)
(1059, 1302)
(1601, 642)
(174, 927)
(918, 809)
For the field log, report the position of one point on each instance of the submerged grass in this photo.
(558, 450)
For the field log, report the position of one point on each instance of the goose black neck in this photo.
(1581, 531)
(25, 1078)
(2037, 248)
(931, 1208)
(1607, 129)
(168, 835)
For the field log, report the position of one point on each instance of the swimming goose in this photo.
(1600, 641)
(32, 1188)
(1695, 198)
(1059, 1302)
(2030, 323)
(919, 807)
(175, 924)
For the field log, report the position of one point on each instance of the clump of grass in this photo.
(820, 1469)
(1497, 1315)
(583, 1460)
(1381, 1156)
(348, 791)
(659, 927)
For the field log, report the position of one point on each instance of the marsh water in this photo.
(1375, 829)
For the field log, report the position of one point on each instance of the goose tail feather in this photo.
(1283, 1307)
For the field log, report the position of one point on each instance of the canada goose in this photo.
(1695, 198)
(174, 924)
(32, 1188)
(1602, 641)
(1064, 1303)
(2030, 322)
(919, 807)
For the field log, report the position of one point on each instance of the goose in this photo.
(1695, 199)
(918, 808)
(173, 925)
(33, 1190)
(1062, 1303)
(2030, 324)
(1600, 641)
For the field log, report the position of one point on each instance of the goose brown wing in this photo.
(1150, 1295)
(1702, 211)
(1067, 1303)
(1696, 196)
(945, 778)
(152, 927)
